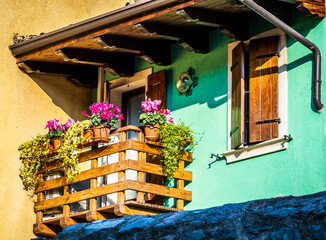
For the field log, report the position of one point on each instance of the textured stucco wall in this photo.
(298, 170)
(27, 102)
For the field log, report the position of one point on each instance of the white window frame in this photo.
(278, 144)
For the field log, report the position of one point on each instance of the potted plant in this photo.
(175, 138)
(103, 117)
(152, 118)
(56, 130)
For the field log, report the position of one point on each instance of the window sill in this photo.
(262, 148)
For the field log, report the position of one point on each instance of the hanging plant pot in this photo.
(151, 132)
(101, 133)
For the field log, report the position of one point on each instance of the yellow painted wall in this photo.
(27, 102)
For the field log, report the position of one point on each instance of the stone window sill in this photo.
(274, 145)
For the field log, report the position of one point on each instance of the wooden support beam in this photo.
(228, 23)
(121, 63)
(86, 75)
(95, 215)
(46, 229)
(312, 7)
(122, 210)
(194, 39)
(153, 51)
(67, 221)
(140, 174)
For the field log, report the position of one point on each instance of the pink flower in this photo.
(171, 120)
(116, 109)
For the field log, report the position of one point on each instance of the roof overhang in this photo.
(146, 29)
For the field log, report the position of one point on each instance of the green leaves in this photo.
(175, 138)
(152, 118)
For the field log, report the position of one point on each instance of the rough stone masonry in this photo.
(283, 218)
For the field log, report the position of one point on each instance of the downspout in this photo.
(297, 36)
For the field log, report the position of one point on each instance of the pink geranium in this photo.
(152, 115)
(104, 114)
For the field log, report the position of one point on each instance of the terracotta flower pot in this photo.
(101, 133)
(56, 143)
(151, 132)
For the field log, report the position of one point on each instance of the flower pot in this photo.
(56, 143)
(88, 133)
(151, 132)
(101, 133)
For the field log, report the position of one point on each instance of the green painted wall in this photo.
(298, 170)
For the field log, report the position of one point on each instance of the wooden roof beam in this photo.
(119, 63)
(229, 24)
(192, 39)
(85, 76)
(157, 52)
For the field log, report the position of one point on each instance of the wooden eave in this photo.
(146, 29)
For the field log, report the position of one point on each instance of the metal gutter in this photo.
(297, 36)
(89, 25)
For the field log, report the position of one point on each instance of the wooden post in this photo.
(180, 185)
(141, 175)
(122, 174)
(40, 197)
(93, 184)
(66, 207)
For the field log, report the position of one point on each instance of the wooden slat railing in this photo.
(122, 207)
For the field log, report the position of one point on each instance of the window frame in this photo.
(257, 149)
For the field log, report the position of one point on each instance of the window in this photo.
(257, 96)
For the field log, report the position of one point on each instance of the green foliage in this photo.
(67, 151)
(55, 134)
(175, 139)
(152, 118)
(96, 120)
(33, 154)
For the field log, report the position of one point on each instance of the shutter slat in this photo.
(237, 114)
(263, 89)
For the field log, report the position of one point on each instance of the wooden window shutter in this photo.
(237, 114)
(263, 89)
(156, 88)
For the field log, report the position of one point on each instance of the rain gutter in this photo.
(297, 36)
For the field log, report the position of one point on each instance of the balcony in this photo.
(117, 179)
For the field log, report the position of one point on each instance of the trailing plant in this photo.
(175, 139)
(104, 114)
(152, 115)
(67, 152)
(33, 154)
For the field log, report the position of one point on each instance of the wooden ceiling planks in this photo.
(149, 36)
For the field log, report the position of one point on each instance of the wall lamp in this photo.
(186, 81)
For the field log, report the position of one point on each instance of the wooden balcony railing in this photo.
(122, 207)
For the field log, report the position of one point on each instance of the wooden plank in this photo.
(71, 42)
(159, 190)
(40, 197)
(93, 184)
(121, 174)
(128, 128)
(141, 175)
(158, 170)
(180, 185)
(85, 175)
(150, 206)
(156, 87)
(82, 195)
(46, 230)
